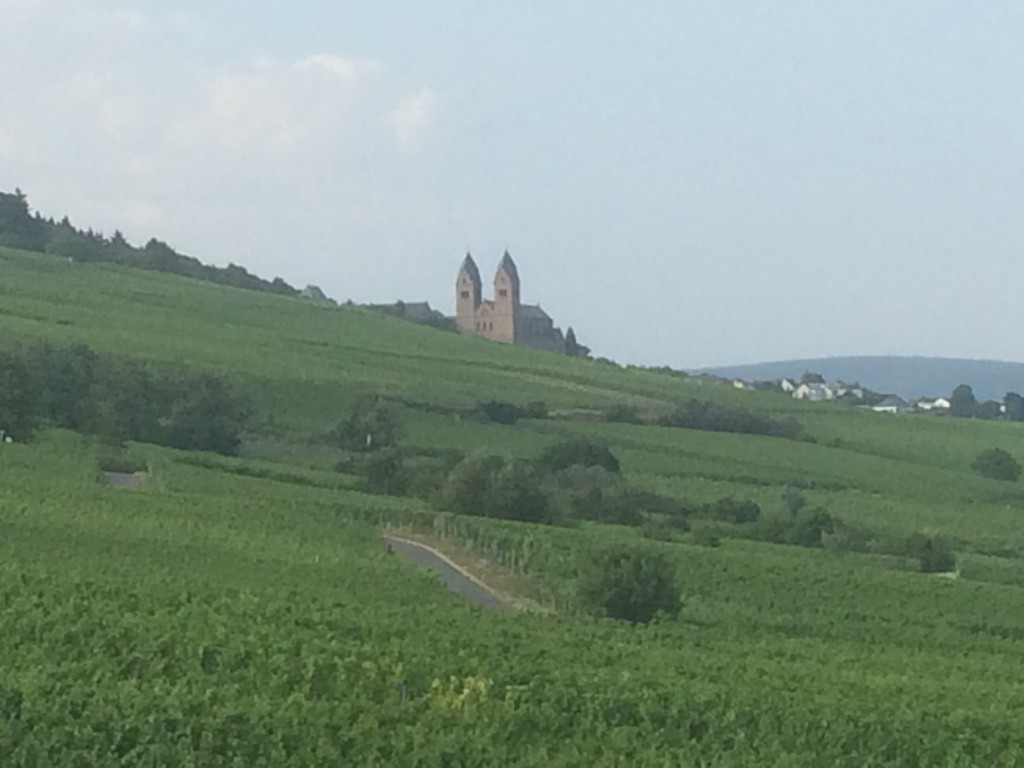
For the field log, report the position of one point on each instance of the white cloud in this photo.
(413, 118)
(342, 68)
(146, 123)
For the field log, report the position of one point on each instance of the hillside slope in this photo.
(243, 609)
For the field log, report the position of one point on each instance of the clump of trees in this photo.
(20, 228)
(713, 417)
(578, 452)
(629, 583)
(963, 404)
(118, 399)
(493, 486)
(997, 464)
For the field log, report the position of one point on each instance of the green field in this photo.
(242, 611)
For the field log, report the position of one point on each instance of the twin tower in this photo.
(505, 318)
(496, 320)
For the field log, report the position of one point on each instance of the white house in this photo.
(814, 392)
(893, 404)
(933, 404)
(787, 385)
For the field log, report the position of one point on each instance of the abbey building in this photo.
(504, 318)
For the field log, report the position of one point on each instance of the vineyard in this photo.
(244, 610)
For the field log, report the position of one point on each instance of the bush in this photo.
(385, 473)
(371, 425)
(730, 510)
(580, 452)
(712, 417)
(491, 486)
(997, 464)
(629, 583)
(594, 493)
(500, 412)
(933, 553)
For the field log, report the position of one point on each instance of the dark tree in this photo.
(17, 406)
(810, 377)
(1014, 405)
(962, 402)
(932, 552)
(989, 409)
(629, 583)
(208, 416)
(370, 426)
(997, 464)
(500, 412)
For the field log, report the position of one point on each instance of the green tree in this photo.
(208, 417)
(629, 583)
(385, 473)
(997, 464)
(933, 553)
(962, 402)
(468, 485)
(17, 406)
(371, 425)
(1014, 406)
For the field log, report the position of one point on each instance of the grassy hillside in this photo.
(242, 610)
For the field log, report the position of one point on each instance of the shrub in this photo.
(385, 473)
(629, 583)
(997, 464)
(491, 486)
(578, 451)
(371, 425)
(730, 510)
(538, 409)
(500, 412)
(845, 538)
(933, 553)
(593, 493)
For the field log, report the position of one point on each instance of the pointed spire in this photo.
(508, 266)
(470, 268)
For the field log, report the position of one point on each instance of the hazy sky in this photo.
(684, 182)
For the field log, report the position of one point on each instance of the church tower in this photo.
(468, 296)
(506, 300)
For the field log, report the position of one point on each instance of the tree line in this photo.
(964, 404)
(23, 229)
(117, 399)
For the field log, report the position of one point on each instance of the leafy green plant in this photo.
(629, 583)
(997, 464)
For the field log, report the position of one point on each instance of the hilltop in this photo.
(908, 377)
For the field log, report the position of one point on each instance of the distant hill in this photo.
(904, 376)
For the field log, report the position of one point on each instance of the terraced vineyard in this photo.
(244, 611)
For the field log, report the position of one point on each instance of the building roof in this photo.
(533, 312)
(469, 266)
(509, 267)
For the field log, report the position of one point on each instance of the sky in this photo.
(685, 183)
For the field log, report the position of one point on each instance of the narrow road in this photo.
(451, 576)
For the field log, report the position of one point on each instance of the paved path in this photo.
(451, 576)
